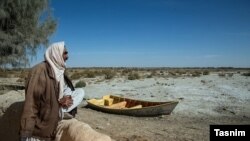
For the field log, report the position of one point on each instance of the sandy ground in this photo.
(203, 101)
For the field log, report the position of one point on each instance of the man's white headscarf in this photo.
(54, 56)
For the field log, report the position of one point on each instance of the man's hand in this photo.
(66, 101)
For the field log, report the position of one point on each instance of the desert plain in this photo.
(206, 97)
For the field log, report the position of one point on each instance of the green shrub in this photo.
(80, 84)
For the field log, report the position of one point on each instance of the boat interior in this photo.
(115, 102)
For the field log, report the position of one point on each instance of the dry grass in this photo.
(14, 73)
(133, 73)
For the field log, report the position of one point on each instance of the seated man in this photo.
(46, 97)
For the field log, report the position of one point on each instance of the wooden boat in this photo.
(125, 106)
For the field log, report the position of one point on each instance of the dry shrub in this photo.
(230, 74)
(172, 73)
(133, 76)
(196, 73)
(24, 74)
(126, 71)
(161, 73)
(246, 74)
(176, 72)
(205, 72)
(87, 73)
(90, 74)
(76, 75)
(180, 72)
(3, 74)
(149, 76)
(154, 73)
(108, 74)
(20, 80)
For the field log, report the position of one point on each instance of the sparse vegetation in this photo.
(149, 76)
(126, 71)
(21, 73)
(108, 74)
(172, 73)
(90, 74)
(221, 74)
(3, 74)
(133, 76)
(132, 73)
(230, 74)
(205, 72)
(76, 75)
(196, 73)
(180, 72)
(246, 74)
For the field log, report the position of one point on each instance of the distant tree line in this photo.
(25, 25)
